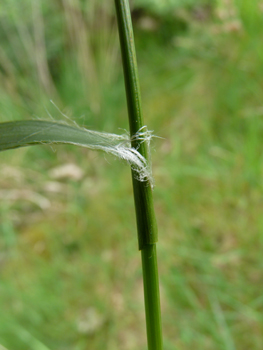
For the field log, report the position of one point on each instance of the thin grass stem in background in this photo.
(146, 223)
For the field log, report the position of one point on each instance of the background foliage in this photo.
(69, 265)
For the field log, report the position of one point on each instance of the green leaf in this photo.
(38, 132)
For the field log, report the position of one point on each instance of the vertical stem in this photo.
(145, 216)
(152, 297)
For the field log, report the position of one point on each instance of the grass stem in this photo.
(145, 216)
(152, 297)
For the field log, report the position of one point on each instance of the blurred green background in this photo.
(70, 274)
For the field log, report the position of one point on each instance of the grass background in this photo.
(69, 265)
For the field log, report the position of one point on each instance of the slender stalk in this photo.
(152, 297)
(145, 216)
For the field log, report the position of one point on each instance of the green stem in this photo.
(145, 216)
(152, 297)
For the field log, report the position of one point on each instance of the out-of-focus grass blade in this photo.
(34, 132)
(27, 338)
(2, 348)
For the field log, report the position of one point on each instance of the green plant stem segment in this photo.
(146, 222)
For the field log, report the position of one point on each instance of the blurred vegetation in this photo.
(69, 264)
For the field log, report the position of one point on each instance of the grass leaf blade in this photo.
(33, 132)
(38, 132)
